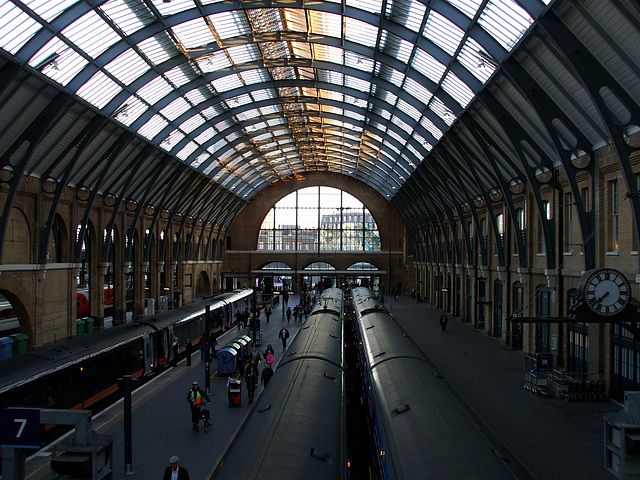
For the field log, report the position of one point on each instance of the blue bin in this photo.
(6, 348)
(227, 360)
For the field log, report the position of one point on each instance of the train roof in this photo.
(331, 300)
(365, 301)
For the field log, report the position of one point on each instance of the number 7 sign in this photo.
(21, 428)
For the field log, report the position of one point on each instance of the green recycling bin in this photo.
(88, 326)
(19, 343)
(80, 324)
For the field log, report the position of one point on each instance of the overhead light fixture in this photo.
(50, 61)
(485, 60)
(121, 110)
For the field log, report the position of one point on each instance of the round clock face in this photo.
(607, 292)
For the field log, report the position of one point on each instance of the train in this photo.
(82, 301)
(415, 419)
(82, 373)
(296, 428)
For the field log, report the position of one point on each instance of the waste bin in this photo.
(80, 324)
(19, 343)
(235, 389)
(226, 360)
(88, 326)
(6, 348)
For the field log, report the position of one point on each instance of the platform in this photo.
(553, 439)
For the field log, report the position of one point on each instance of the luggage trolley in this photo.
(234, 387)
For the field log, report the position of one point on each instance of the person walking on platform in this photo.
(288, 314)
(267, 312)
(252, 380)
(268, 355)
(174, 471)
(443, 321)
(267, 373)
(283, 335)
(188, 350)
(195, 398)
(176, 349)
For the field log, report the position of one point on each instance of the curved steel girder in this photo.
(150, 180)
(594, 77)
(168, 187)
(450, 151)
(420, 196)
(81, 141)
(470, 158)
(445, 186)
(31, 135)
(548, 111)
(206, 202)
(455, 172)
(516, 134)
(113, 150)
(488, 146)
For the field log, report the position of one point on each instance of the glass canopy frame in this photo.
(248, 93)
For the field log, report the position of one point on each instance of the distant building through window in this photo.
(320, 219)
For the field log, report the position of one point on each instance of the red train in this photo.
(82, 300)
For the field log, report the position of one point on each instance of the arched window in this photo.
(319, 219)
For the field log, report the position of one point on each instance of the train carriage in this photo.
(417, 422)
(296, 428)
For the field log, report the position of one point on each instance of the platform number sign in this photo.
(20, 428)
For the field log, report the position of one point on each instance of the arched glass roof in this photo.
(249, 92)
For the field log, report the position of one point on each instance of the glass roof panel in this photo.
(99, 90)
(155, 90)
(428, 66)
(443, 32)
(408, 13)
(127, 67)
(193, 33)
(457, 89)
(175, 108)
(373, 6)
(360, 32)
(16, 27)
(91, 34)
(158, 49)
(417, 90)
(172, 140)
(476, 60)
(274, 81)
(468, 7)
(153, 127)
(49, 10)
(175, 6)
(127, 20)
(230, 24)
(506, 21)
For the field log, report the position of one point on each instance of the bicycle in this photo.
(203, 414)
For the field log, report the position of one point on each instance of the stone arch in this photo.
(59, 244)
(21, 312)
(203, 285)
(246, 225)
(18, 245)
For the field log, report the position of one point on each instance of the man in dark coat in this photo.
(181, 472)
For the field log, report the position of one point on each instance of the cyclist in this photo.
(195, 398)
